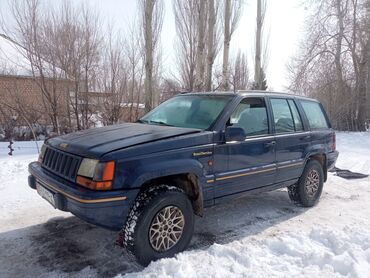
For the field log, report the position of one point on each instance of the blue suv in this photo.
(148, 179)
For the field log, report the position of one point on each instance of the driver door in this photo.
(250, 162)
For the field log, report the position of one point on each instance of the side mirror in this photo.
(233, 133)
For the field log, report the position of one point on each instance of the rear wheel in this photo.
(307, 191)
(159, 225)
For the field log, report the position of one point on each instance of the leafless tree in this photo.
(232, 13)
(74, 44)
(92, 42)
(134, 55)
(152, 12)
(198, 42)
(333, 63)
(239, 74)
(185, 12)
(62, 47)
(210, 43)
(200, 57)
(259, 62)
(113, 80)
(29, 35)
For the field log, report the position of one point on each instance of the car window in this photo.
(296, 117)
(282, 115)
(190, 111)
(315, 114)
(251, 115)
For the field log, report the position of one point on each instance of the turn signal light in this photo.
(334, 142)
(94, 185)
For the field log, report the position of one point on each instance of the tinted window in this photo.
(282, 116)
(251, 115)
(193, 111)
(296, 117)
(315, 115)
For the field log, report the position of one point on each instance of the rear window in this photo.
(283, 118)
(296, 117)
(315, 114)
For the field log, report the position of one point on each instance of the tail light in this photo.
(333, 142)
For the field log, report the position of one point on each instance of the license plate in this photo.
(46, 194)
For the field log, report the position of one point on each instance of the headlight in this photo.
(87, 167)
(42, 153)
(96, 175)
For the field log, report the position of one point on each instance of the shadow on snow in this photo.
(69, 245)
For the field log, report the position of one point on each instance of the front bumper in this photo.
(108, 209)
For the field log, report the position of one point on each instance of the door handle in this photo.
(270, 144)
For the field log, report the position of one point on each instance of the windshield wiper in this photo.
(152, 122)
(159, 123)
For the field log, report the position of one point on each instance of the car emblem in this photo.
(63, 145)
(202, 153)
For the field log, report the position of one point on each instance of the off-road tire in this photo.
(135, 233)
(298, 193)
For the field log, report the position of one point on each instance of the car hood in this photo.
(99, 141)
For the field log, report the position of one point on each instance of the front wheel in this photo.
(160, 224)
(307, 191)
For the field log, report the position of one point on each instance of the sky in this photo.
(283, 29)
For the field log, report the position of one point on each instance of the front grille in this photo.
(61, 163)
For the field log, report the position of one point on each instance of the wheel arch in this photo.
(188, 182)
(321, 158)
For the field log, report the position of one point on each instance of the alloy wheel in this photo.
(312, 182)
(166, 228)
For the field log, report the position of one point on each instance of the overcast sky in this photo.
(284, 26)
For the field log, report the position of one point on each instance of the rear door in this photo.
(250, 163)
(292, 140)
(322, 136)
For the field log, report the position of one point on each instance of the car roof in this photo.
(257, 93)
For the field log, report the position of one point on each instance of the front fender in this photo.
(167, 168)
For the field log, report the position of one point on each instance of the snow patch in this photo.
(256, 236)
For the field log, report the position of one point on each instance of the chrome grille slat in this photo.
(67, 166)
(61, 163)
(51, 158)
(54, 162)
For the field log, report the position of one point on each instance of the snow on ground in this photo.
(254, 236)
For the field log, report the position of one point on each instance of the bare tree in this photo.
(135, 67)
(211, 49)
(185, 12)
(91, 41)
(333, 63)
(201, 23)
(152, 12)
(75, 42)
(239, 72)
(232, 12)
(29, 34)
(259, 67)
(186, 28)
(113, 80)
(62, 47)
(198, 42)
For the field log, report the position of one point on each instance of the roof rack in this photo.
(264, 92)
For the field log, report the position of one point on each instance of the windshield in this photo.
(191, 111)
